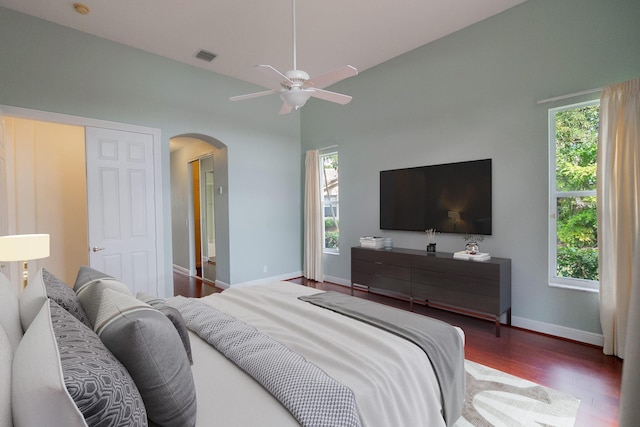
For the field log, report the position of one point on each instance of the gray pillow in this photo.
(98, 383)
(66, 298)
(174, 316)
(147, 344)
(86, 275)
(89, 286)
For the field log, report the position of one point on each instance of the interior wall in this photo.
(49, 192)
(48, 67)
(472, 95)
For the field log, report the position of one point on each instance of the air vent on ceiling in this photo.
(206, 55)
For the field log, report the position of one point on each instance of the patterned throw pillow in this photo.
(58, 358)
(66, 298)
(98, 383)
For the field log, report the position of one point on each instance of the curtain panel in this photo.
(313, 245)
(630, 390)
(618, 187)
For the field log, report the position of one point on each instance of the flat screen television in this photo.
(450, 198)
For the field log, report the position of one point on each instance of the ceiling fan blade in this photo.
(252, 95)
(327, 79)
(276, 75)
(331, 96)
(285, 109)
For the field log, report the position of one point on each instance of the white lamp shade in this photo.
(24, 247)
(296, 97)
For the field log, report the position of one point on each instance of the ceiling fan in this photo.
(296, 87)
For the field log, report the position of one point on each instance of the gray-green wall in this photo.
(51, 68)
(472, 95)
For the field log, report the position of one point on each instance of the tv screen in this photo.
(450, 198)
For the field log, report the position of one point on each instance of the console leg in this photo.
(352, 289)
(498, 326)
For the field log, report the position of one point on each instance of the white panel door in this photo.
(121, 209)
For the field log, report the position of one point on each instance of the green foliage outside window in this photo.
(330, 192)
(331, 233)
(577, 223)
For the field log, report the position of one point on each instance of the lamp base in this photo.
(25, 274)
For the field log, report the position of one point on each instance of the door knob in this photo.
(96, 249)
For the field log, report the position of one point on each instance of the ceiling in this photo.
(243, 33)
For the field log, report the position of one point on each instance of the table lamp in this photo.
(24, 247)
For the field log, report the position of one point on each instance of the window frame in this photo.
(585, 285)
(321, 156)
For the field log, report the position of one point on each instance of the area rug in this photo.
(495, 398)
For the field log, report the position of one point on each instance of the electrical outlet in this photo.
(264, 269)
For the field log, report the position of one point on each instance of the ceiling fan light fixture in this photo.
(296, 87)
(296, 97)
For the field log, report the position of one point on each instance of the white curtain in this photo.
(630, 394)
(618, 187)
(313, 244)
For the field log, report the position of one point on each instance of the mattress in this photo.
(391, 378)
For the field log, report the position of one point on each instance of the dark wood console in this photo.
(480, 288)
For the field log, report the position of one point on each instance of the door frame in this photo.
(46, 116)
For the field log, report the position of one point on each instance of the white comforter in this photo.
(391, 378)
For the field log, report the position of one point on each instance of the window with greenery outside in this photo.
(576, 220)
(330, 193)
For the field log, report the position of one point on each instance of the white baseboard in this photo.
(181, 269)
(558, 331)
(337, 281)
(222, 285)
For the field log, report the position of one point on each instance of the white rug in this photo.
(495, 398)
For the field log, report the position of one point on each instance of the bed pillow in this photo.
(62, 294)
(47, 373)
(153, 354)
(10, 313)
(87, 275)
(174, 316)
(33, 296)
(89, 286)
(6, 358)
(99, 384)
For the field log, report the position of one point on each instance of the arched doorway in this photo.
(199, 207)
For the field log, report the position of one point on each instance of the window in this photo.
(573, 226)
(330, 202)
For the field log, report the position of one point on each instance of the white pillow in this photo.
(6, 357)
(32, 299)
(38, 392)
(10, 313)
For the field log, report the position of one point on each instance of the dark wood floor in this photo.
(578, 369)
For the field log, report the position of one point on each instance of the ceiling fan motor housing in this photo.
(297, 77)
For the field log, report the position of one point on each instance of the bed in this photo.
(384, 378)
